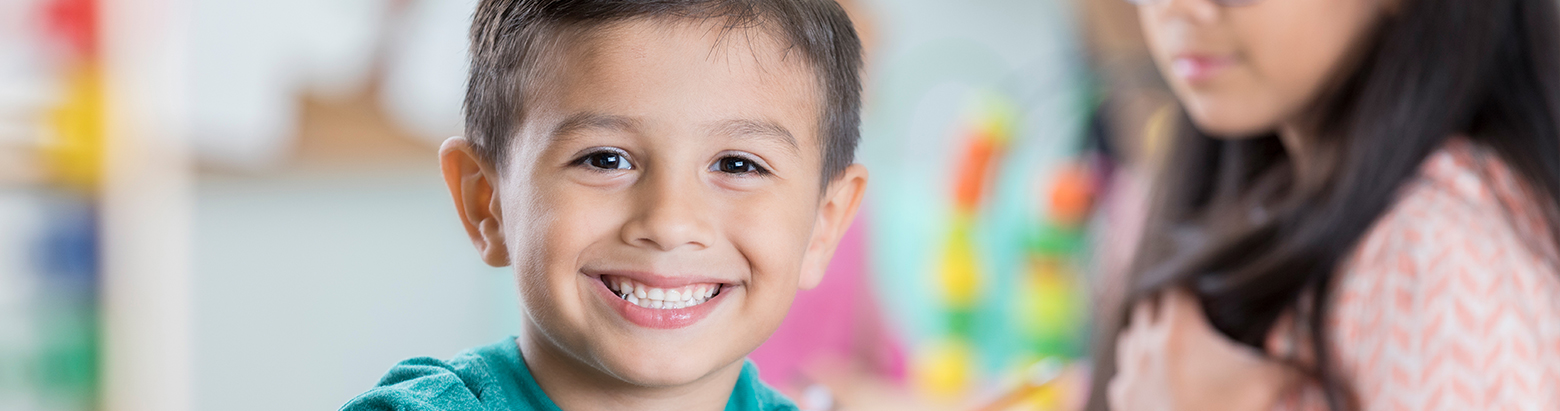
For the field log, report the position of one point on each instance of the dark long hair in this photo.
(1233, 223)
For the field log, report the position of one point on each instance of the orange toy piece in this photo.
(1072, 195)
(971, 181)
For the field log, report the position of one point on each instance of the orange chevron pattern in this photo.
(1452, 301)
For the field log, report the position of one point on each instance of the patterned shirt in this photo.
(1452, 300)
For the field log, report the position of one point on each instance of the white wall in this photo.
(307, 289)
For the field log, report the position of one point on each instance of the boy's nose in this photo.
(669, 213)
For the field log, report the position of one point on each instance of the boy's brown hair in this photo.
(509, 39)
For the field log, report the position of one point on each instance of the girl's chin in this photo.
(1229, 126)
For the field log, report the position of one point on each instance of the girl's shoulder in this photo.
(1452, 299)
(1465, 203)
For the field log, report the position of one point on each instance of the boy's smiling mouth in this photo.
(661, 303)
(656, 298)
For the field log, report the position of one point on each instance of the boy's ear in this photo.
(471, 185)
(840, 202)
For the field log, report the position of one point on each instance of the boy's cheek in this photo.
(565, 213)
(547, 237)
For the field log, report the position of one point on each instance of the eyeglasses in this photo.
(1221, 3)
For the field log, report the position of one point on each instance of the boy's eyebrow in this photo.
(758, 129)
(576, 122)
(737, 128)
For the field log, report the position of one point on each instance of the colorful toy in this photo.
(945, 368)
(1001, 318)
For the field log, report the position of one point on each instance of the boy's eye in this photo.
(606, 160)
(738, 165)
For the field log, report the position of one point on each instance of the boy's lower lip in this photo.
(661, 319)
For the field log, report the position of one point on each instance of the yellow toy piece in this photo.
(75, 149)
(959, 277)
(942, 371)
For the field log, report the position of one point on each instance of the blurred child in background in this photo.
(1358, 212)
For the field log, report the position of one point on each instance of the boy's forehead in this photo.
(718, 39)
(733, 81)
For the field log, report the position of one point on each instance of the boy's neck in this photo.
(576, 386)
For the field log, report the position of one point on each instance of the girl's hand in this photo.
(1170, 359)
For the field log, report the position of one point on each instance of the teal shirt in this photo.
(495, 378)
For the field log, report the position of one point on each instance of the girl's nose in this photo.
(1193, 11)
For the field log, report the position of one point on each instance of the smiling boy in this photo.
(663, 176)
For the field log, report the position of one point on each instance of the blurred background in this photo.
(235, 204)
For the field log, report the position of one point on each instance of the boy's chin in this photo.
(642, 368)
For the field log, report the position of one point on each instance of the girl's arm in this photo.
(1169, 358)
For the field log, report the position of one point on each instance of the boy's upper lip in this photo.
(659, 280)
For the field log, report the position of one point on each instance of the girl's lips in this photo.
(1196, 68)
(664, 318)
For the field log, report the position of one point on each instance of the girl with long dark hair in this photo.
(1359, 211)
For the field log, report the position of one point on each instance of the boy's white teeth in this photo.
(661, 299)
